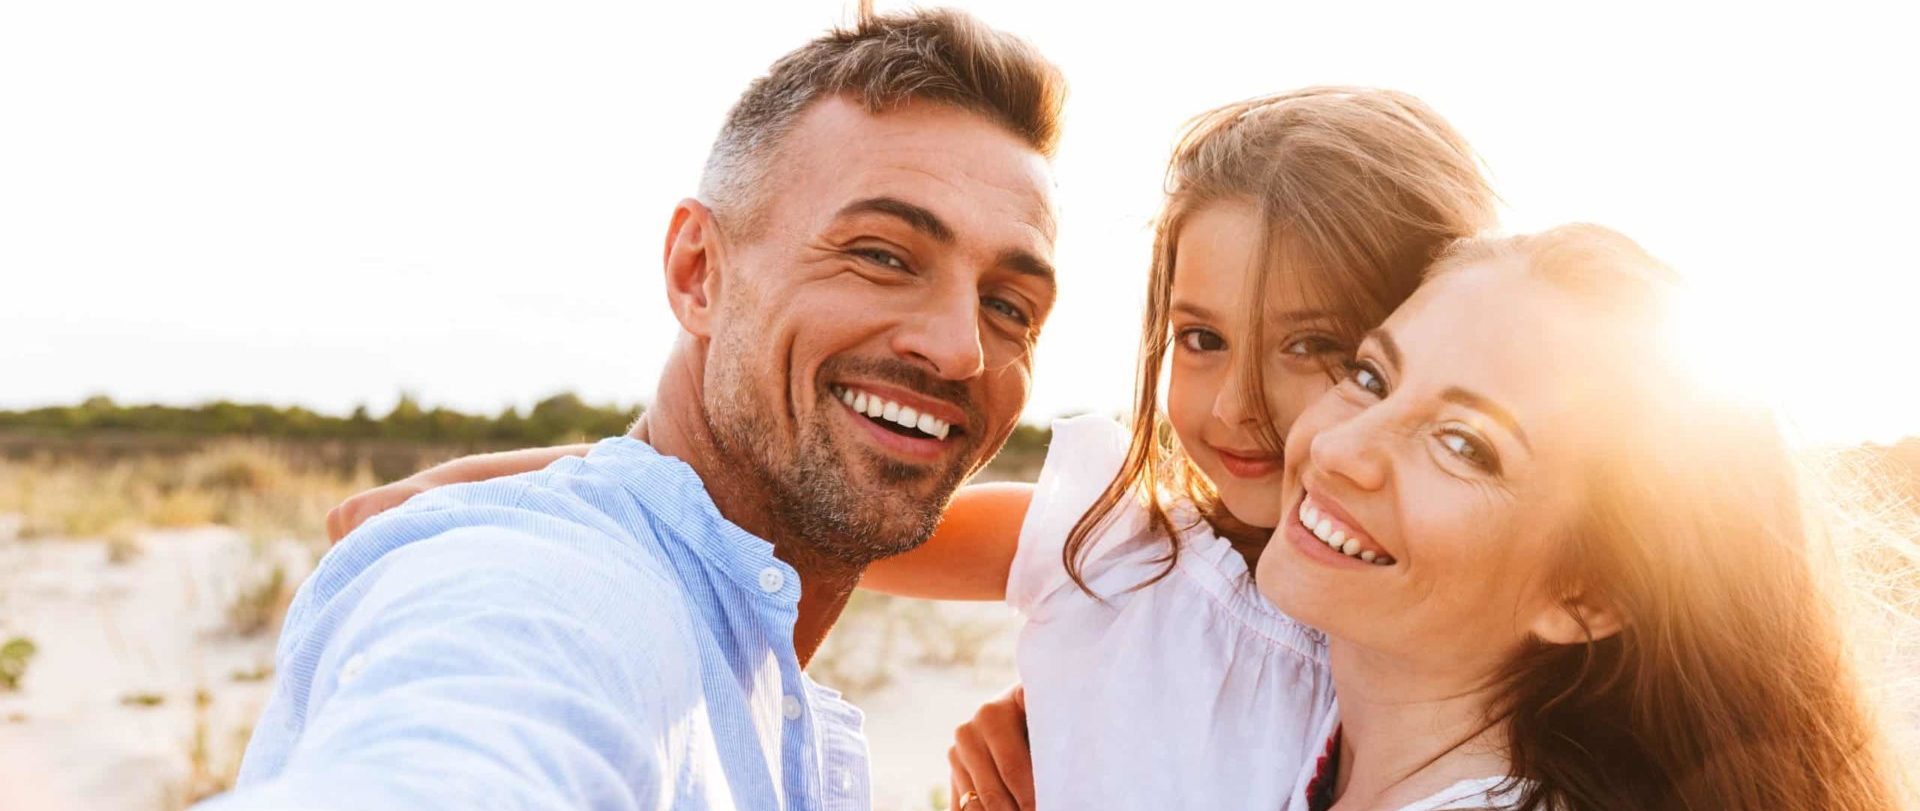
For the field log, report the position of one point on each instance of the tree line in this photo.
(557, 419)
(560, 418)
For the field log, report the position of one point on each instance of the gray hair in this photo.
(883, 61)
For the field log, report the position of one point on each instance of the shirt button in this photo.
(790, 707)
(771, 579)
(351, 669)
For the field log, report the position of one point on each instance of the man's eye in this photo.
(1471, 450)
(1200, 339)
(880, 257)
(1008, 309)
(1314, 346)
(1362, 374)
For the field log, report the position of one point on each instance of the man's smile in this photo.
(905, 423)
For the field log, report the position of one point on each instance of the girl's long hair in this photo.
(1360, 189)
(1736, 680)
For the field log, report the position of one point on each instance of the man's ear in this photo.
(693, 263)
(1576, 619)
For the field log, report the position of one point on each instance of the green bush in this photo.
(15, 655)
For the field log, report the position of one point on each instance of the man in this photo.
(628, 630)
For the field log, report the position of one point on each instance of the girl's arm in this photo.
(970, 553)
(356, 510)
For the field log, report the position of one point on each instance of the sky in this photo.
(328, 204)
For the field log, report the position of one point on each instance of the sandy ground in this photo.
(107, 717)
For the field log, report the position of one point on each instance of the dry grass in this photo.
(251, 486)
(208, 772)
(261, 603)
(879, 637)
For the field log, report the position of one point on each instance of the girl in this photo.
(1157, 676)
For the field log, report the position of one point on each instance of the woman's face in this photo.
(1217, 425)
(1446, 465)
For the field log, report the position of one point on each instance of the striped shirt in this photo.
(592, 635)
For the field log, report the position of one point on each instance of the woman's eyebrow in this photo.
(1493, 410)
(1388, 346)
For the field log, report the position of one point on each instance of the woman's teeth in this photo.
(879, 408)
(1336, 538)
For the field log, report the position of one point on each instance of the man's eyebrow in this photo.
(918, 217)
(1026, 263)
(1487, 406)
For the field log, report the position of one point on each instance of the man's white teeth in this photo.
(877, 407)
(1335, 537)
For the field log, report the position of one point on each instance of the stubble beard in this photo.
(815, 491)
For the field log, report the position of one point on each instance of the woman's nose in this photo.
(1354, 449)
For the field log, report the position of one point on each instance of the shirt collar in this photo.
(672, 492)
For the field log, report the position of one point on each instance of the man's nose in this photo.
(945, 335)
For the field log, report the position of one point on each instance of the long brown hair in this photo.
(1360, 190)
(1730, 684)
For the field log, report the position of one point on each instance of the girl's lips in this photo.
(1249, 466)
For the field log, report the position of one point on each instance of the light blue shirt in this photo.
(592, 635)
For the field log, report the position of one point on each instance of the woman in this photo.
(1604, 590)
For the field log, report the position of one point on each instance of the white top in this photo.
(1194, 692)
(1475, 793)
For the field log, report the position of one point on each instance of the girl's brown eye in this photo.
(1313, 346)
(1201, 339)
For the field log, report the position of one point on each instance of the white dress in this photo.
(1194, 692)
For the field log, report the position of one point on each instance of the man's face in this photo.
(873, 339)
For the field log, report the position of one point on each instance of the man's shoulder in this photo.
(521, 534)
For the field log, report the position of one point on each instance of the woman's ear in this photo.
(1576, 620)
(693, 262)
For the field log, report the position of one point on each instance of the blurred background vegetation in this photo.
(101, 469)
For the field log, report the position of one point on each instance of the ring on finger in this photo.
(967, 799)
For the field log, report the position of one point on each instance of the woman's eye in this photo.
(880, 257)
(1313, 346)
(1471, 450)
(1197, 339)
(1008, 309)
(1362, 374)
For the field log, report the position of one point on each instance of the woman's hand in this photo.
(356, 510)
(990, 757)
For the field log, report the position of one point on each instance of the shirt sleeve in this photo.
(1084, 455)
(481, 668)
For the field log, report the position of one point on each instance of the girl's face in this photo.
(1446, 465)
(1217, 425)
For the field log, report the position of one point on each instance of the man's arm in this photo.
(481, 668)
